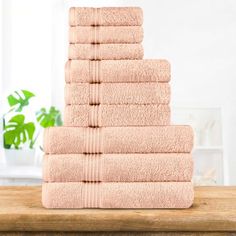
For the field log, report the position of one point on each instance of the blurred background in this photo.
(198, 37)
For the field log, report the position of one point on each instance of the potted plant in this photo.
(19, 135)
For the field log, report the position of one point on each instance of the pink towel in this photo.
(113, 71)
(110, 16)
(116, 115)
(117, 93)
(110, 34)
(105, 51)
(118, 195)
(160, 139)
(118, 167)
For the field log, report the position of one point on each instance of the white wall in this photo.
(1, 74)
(27, 39)
(197, 36)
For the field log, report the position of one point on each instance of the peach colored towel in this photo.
(154, 139)
(114, 71)
(117, 93)
(157, 167)
(105, 51)
(110, 16)
(118, 195)
(116, 115)
(106, 34)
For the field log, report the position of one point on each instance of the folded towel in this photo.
(114, 71)
(116, 115)
(117, 93)
(111, 16)
(164, 139)
(118, 195)
(106, 34)
(105, 51)
(157, 167)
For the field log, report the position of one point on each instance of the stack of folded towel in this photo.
(117, 148)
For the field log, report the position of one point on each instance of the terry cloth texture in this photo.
(156, 167)
(115, 71)
(118, 195)
(117, 93)
(107, 16)
(116, 115)
(154, 139)
(105, 51)
(110, 34)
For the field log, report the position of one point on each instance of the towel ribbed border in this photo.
(93, 140)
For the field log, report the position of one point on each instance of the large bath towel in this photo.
(154, 139)
(156, 167)
(118, 195)
(116, 115)
(117, 93)
(113, 71)
(106, 34)
(110, 16)
(105, 51)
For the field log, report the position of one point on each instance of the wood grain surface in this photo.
(214, 211)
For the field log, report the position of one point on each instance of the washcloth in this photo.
(117, 93)
(105, 51)
(157, 167)
(106, 34)
(114, 71)
(118, 195)
(116, 115)
(110, 16)
(154, 139)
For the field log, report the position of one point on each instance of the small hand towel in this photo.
(160, 139)
(107, 16)
(116, 115)
(156, 167)
(114, 71)
(117, 93)
(105, 51)
(107, 34)
(118, 195)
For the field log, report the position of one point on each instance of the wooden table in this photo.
(213, 213)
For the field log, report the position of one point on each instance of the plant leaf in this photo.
(17, 132)
(18, 101)
(49, 118)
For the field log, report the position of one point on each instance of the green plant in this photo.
(52, 117)
(16, 131)
(49, 118)
(17, 101)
